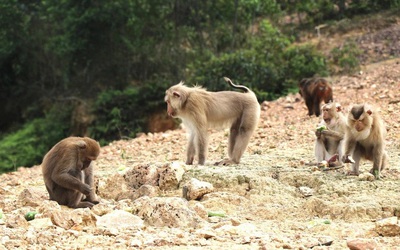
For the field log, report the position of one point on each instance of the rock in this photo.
(195, 189)
(306, 191)
(73, 218)
(102, 209)
(142, 174)
(41, 223)
(388, 227)
(146, 190)
(366, 177)
(47, 207)
(119, 219)
(114, 187)
(199, 208)
(361, 244)
(171, 175)
(166, 212)
(16, 220)
(31, 197)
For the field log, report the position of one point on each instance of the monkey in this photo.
(68, 172)
(329, 141)
(314, 91)
(365, 138)
(200, 109)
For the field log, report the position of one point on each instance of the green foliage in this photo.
(120, 114)
(28, 145)
(270, 66)
(345, 59)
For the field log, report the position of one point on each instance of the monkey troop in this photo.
(200, 110)
(68, 172)
(314, 91)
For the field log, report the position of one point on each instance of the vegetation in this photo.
(121, 55)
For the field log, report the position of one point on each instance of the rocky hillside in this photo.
(271, 200)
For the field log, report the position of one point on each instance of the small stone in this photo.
(361, 244)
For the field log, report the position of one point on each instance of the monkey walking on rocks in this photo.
(365, 138)
(68, 172)
(200, 109)
(314, 91)
(330, 134)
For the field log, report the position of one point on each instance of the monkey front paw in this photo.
(225, 162)
(353, 173)
(347, 159)
(86, 190)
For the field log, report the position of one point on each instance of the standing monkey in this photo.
(329, 142)
(68, 172)
(365, 138)
(200, 109)
(314, 91)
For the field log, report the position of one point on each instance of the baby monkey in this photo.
(365, 138)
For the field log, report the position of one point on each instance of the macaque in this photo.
(68, 172)
(330, 134)
(314, 91)
(365, 138)
(200, 109)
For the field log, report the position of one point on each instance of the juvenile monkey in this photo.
(200, 109)
(365, 138)
(314, 91)
(68, 172)
(329, 142)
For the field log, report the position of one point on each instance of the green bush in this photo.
(27, 146)
(271, 66)
(122, 114)
(345, 59)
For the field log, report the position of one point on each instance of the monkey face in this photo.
(361, 127)
(174, 97)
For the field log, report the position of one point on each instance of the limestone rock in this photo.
(76, 218)
(113, 187)
(16, 220)
(388, 227)
(31, 197)
(142, 174)
(367, 176)
(119, 219)
(170, 176)
(195, 189)
(166, 211)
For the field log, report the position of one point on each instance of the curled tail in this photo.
(245, 89)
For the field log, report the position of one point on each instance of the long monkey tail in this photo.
(245, 89)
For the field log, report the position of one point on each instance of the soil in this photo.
(271, 200)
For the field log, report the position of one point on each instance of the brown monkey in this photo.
(330, 134)
(314, 91)
(200, 109)
(365, 138)
(68, 171)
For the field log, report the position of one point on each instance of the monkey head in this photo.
(360, 120)
(175, 97)
(89, 150)
(330, 113)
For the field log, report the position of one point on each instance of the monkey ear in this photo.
(176, 94)
(338, 107)
(81, 144)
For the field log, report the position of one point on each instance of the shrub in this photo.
(27, 146)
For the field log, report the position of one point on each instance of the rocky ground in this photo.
(271, 200)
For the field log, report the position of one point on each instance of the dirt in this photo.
(271, 200)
